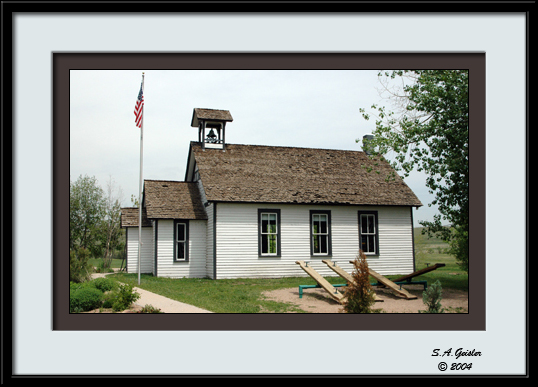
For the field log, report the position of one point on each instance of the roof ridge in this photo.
(290, 147)
(168, 181)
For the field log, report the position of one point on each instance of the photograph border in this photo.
(63, 62)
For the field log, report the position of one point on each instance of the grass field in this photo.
(429, 251)
(245, 295)
(116, 263)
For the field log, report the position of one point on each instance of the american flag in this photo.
(139, 108)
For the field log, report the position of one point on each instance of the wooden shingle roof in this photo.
(165, 199)
(130, 215)
(270, 174)
(210, 114)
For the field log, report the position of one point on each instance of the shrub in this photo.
(76, 285)
(84, 299)
(359, 295)
(150, 309)
(80, 268)
(109, 298)
(104, 284)
(432, 298)
(120, 297)
(124, 297)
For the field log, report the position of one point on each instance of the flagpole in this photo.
(140, 188)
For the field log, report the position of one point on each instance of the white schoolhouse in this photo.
(253, 211)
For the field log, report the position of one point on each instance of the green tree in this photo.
(110, 230)
(79, 267)
(86, 212)
(428, 130)
(134, 200)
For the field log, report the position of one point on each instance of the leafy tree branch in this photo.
(428, 130)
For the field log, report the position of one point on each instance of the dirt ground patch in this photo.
(316, 300)
(132, 309)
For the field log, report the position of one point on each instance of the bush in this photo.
(102, 292)
(432, 298)
(109, 298)
(84, 299)
(150, 309)
(124, 297)
(104, 284)
(80, 268)
(75, 286)
(359, 295)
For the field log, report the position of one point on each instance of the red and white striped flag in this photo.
(139, 108)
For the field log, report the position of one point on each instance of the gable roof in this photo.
(272, 174)
(130, 215)
(166, 199)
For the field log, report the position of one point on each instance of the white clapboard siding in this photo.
(209, 232)
(209, 262)
(395, 242)
(195, 267)
(237, 240)
(146, 256)
(154, 236)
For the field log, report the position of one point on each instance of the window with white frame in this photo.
(320, 230)
(369, 232)
(269, 232)
(181, 240)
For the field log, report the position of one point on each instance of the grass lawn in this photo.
(242, 295)
(245, 295)
(116, 263)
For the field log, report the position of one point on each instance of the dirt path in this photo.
(317, 301)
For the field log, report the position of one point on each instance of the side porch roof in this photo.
(130, 216)
(168, 199)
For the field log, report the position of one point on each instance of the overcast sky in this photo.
(304, 108)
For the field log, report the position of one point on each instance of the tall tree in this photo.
(86, 211)
(428, 129)
(110, 227)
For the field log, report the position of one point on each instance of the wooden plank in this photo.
(335, 294)
(391, 285)
(338, 270)
(344, 274)
(419, 272)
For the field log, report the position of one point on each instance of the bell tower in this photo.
(214, 120)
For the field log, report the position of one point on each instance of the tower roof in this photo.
(213, 115)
